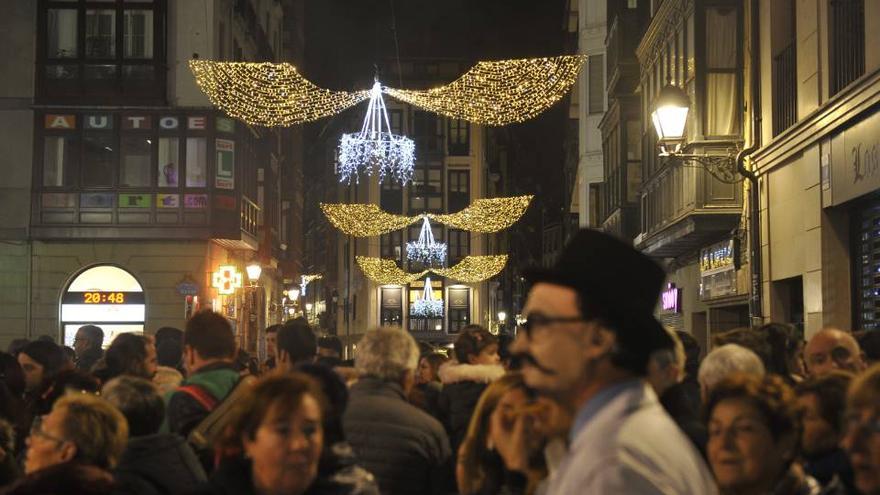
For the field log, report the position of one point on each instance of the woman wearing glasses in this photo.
(73, 448)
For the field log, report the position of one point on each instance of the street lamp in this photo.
(502, 317)
(670, 119)
(253, 272)
(293, 294)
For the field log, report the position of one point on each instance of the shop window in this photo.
(169, 162)
(392, 307)
(196, 162)
(60, 160)
(136, 161)
(98, 160)
(722, 94)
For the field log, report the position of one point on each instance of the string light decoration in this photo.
(501, 92)
(427, 306)
(364, 220)
(490, 93)
(376, 148)
(267, 94)
(305, 280)
(386, 272)
(471, 269)
(486, 216)
(426, 250)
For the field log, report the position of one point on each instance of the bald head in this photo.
(833, 349)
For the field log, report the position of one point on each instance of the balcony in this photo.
(684, 208)
(228, 220)
(620, 44)
(784, 89)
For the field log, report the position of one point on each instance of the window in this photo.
(458, 137)
(459, 245)
(62, 39)
(221, 35)
(847, 42)
(416, 291)
(597, 83)
(459, 189)
(391, 246)
(169, 162)
(100, 33)
(97, 165)
(136, 161)
(106, 50)
(395, 118)
(391, 197)
(392, 307)
(426, 132)
(459, 309)
(784, 72)
(138, 34)
(60, 157)
(722, 95)
(196, 162)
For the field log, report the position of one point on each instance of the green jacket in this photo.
(184, 411)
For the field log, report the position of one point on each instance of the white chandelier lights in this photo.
(375, 149)
(427, 306)
(426, 250)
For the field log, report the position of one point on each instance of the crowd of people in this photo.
(592, 396)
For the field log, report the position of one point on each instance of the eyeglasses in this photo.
(37, 429)
(536, 320)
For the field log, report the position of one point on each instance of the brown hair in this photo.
(281, 392)
(472, 341)
(474, 458)
(830, 392)
(770, 395)
(98, 429)
(864, 391)
(210, 334)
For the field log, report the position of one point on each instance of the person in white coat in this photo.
(588, 335)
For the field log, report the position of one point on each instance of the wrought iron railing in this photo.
(250, 217)
(785, 89)
(847, 43)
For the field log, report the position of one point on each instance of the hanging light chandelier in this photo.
(375, 149)
(426, 250)
(305, 280)
(427, 306)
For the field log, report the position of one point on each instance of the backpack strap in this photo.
(200, 395)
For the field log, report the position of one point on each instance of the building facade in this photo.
(127, 190)
(818, 163)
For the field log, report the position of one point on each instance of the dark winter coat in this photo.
(686, 414)
(232, 477)
(89, 358)
(68, 478)
(158, 464)
(404, 447)
(426, 396)
(185, 412)
(831, 467)
(463, 384)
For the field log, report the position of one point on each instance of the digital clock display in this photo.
(104, 297)
(92, 297)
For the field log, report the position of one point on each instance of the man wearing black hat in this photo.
(588, 335)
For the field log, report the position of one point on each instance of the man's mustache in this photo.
(524, 357)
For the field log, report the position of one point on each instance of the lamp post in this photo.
(670, 118)
(502, 318)
(309, 307)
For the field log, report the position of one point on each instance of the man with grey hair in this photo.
(404, 447)
(723, 361)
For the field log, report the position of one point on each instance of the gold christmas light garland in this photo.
(490, 93)
(484, 216)
(364, 220)
(501, 92)
(471, 269)
(268, 94)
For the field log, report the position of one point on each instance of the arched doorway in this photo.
(106, 296)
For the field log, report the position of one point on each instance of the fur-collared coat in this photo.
(462, 386)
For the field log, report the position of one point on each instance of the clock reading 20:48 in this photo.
(104, 297)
